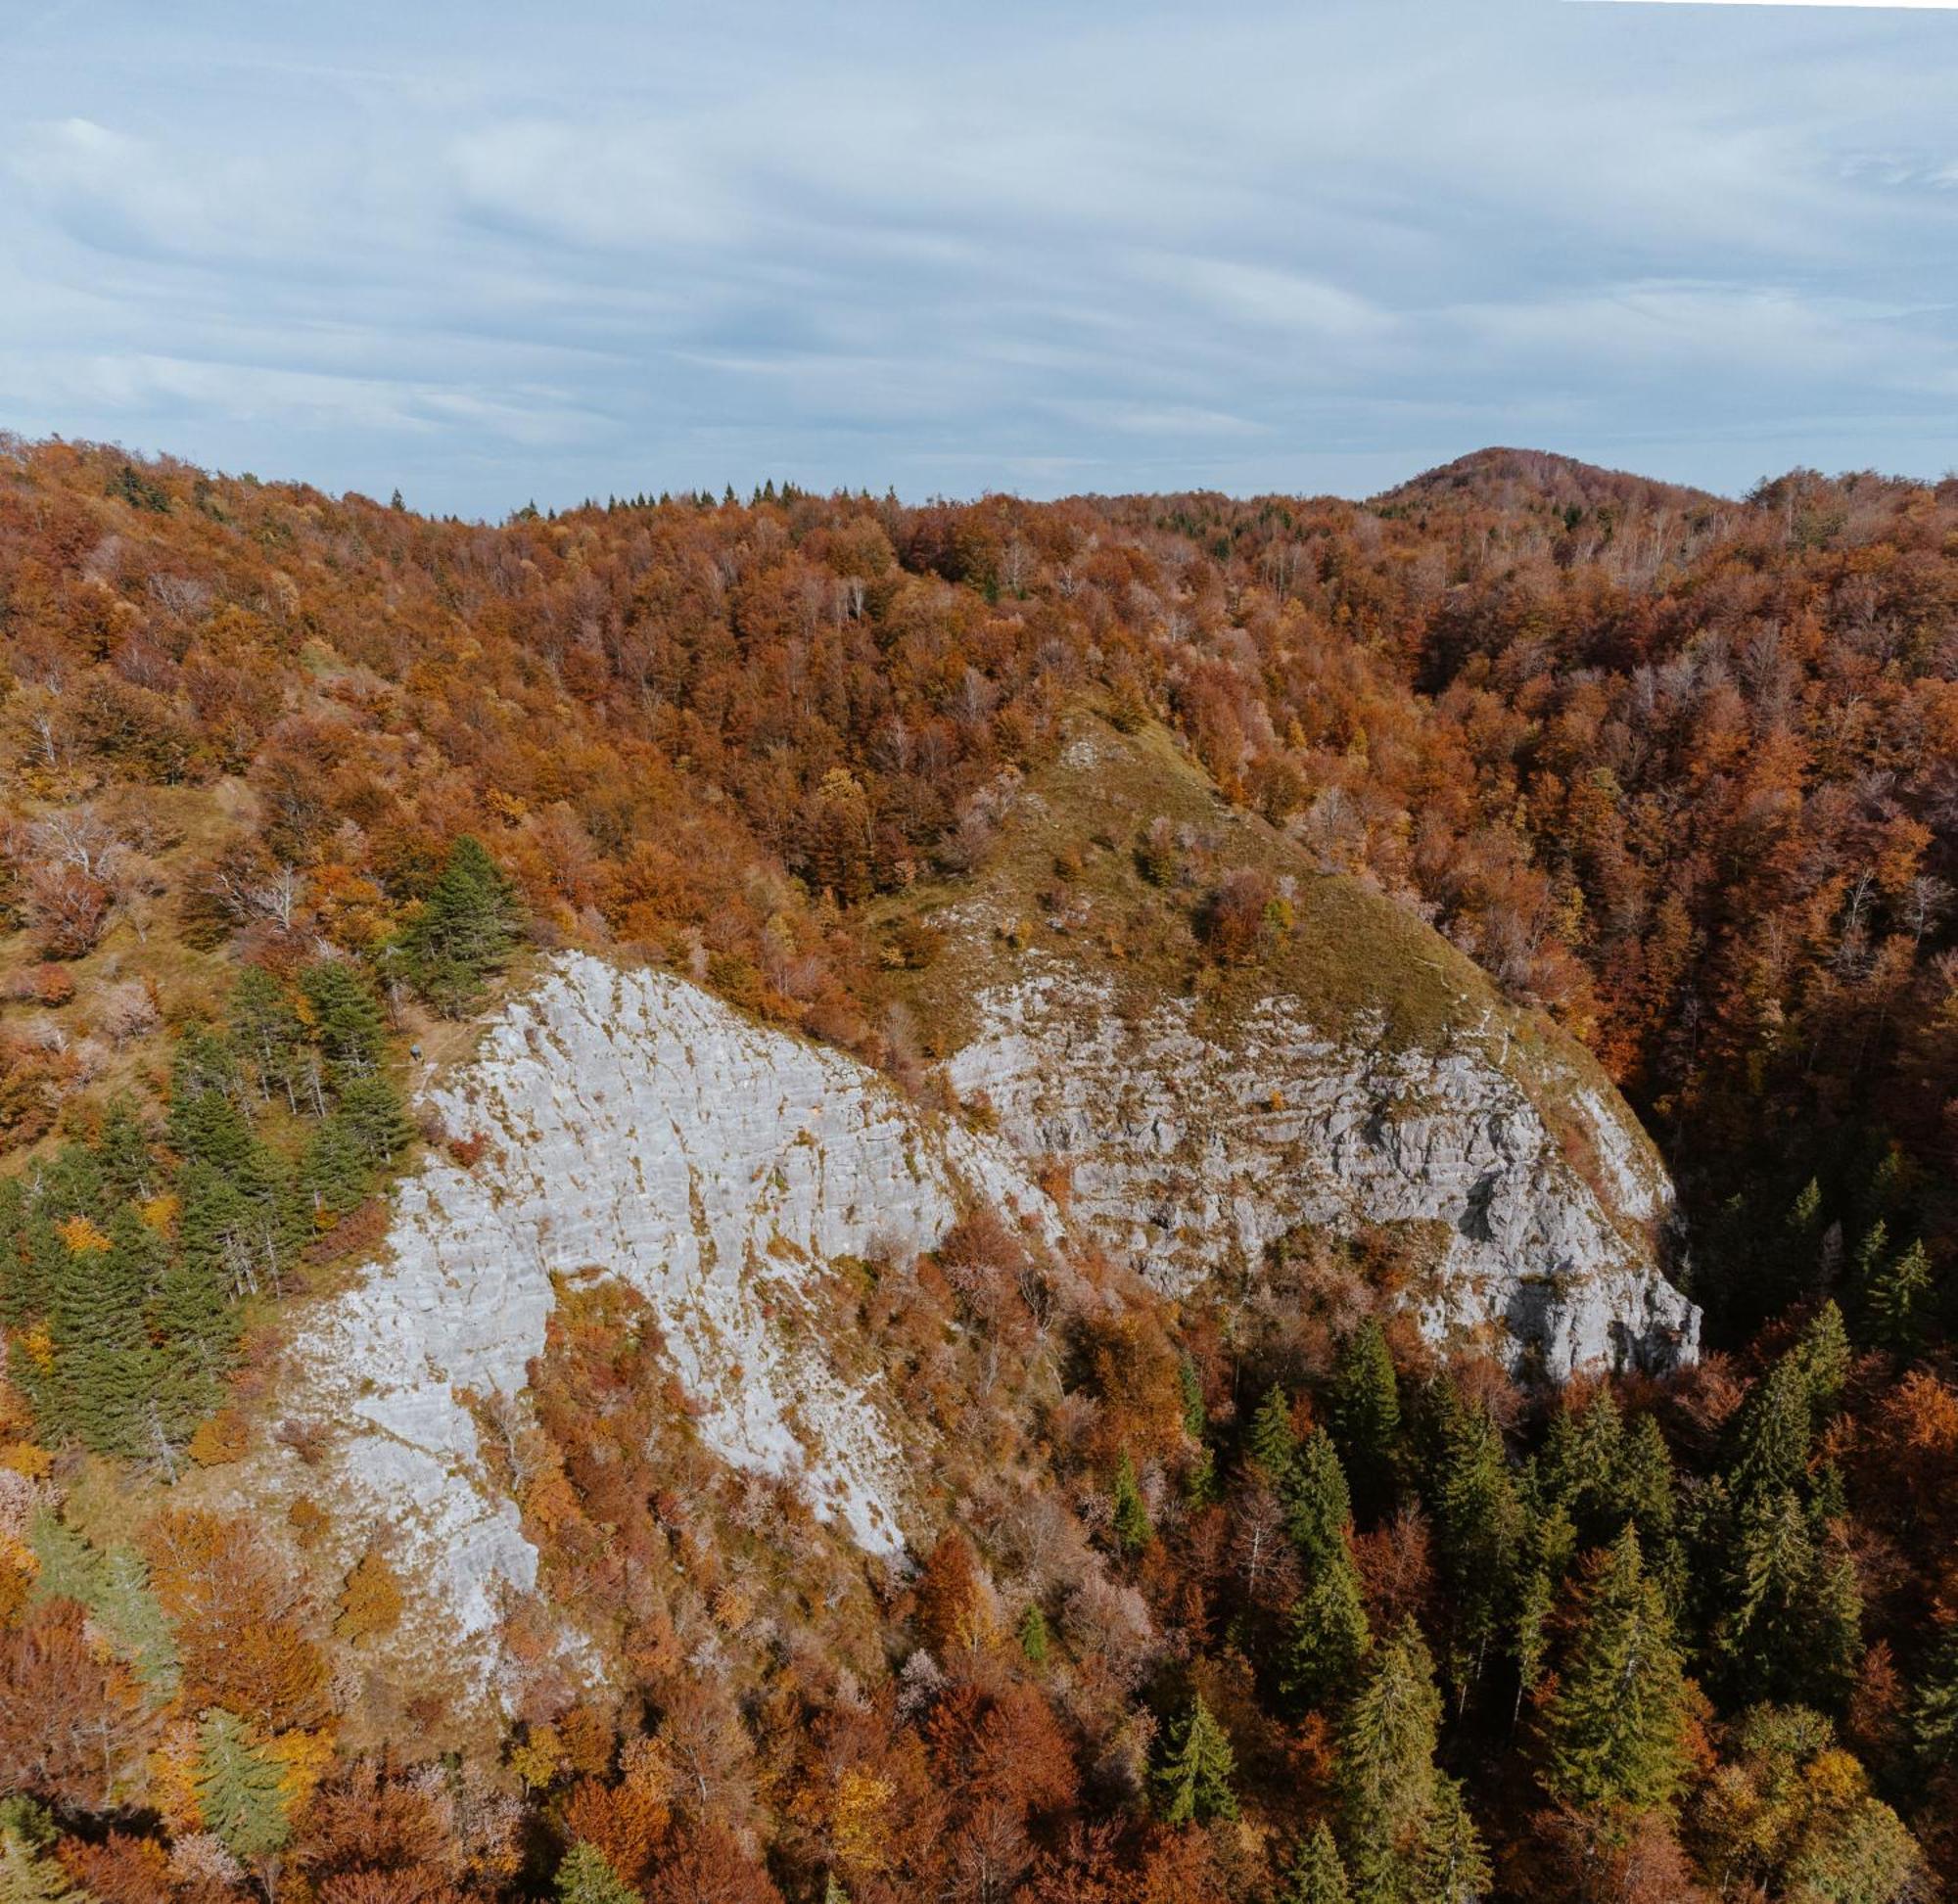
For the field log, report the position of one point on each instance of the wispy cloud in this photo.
(977, 245)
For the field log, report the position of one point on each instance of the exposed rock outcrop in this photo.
(1187, 1151)
(644, 1131)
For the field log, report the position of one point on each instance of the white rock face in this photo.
(650, 1133)
(1187, 1154)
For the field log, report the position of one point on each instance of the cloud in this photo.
(972, 245)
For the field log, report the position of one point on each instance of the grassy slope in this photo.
(1362, 965)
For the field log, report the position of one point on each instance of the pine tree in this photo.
(266, 1034)
(371, 1108)
(104, 1369)
(1366, 1417)
(1386, 1769)
(207, 1124)
(240, 1787)
(1614, 1728)
(1318, 1509)
(1271, 1442)
(1193, 1780)
(125, 1156)
(1316, 1876)
(466, 929)
(1131, 1519)
(1329, 1636)
(347, 1022)
(585, 1877)
(28, 1875)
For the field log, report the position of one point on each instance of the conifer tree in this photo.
(125, 1156)
(1791, 1626)
(1132, 1525)
(1386, 1769)
(267, 1034)
(1033, 1636)
(1897, 1298)
(27, 1874)
(240, 1787)
(1772, 1436)
(1189, 1388)
(347, 1022)
(1452, 1866)
(1823, 1356)
(1193, 1780)
(1329, 1636)
(1934, 1716)
(1615, 1729)
(466, 930)
(1316, 1876)
(1271, 1442)
(1480, 1523)
(586, 1877)
(1366, 1417)
(371, 1109)
(104, 1369)
(1318, 1509)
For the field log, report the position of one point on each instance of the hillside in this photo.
(811, 1198)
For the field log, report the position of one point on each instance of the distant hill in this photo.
(1507, 479)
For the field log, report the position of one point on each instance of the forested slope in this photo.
(1266, 1596)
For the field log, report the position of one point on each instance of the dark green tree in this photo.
(1131, 1518)
(1271, 1442)
(348, 1024)
(1366, 1413)
(1318, 1509)
(1316, 1876)
(1033, 1636)
(1615, 1729)
(1194, 1778)
(1480, 1527)
(1898, 1296)
(1328, 1636)
(465, 931)
(267, 1036)
(1386, 1770)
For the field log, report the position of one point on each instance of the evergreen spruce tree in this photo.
(1452, 1866)
(1189, 1388)
(1823, 1356)
(1772, 1436)
(1133, 1529)
(1316, 1876)
(1614, 1730)
(1480, 1525)
(207, 1124)
(1899, 1295)
(466, 930)
(1386, 1770)
(240, 1787)
(1271, 1442)
(1366, 1417)
(1933, 1715)
(1318, 1509)
(1193, 1780)
(585, 1877)
(1329, 1636)
(1792, 1625)
(29, 1874)
(334, 1170)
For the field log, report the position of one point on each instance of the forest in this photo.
(1256, 1599)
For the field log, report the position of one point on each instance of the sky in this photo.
(501, 253)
